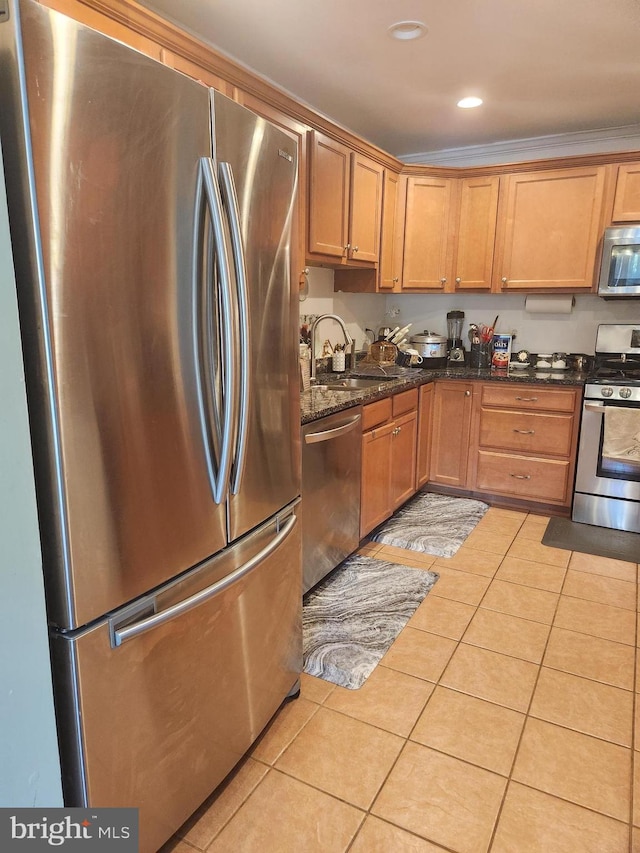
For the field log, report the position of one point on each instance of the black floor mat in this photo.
(601, 541)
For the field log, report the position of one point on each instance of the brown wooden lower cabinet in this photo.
(451, 433)
(527, 437)
(375, 501)
(527, 477)
(508, 440)
(425, 409)
(388, 457)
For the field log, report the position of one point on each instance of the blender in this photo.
(455, 346)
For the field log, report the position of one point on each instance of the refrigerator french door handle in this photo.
(121, 635)
(230, 197)
(209, 191)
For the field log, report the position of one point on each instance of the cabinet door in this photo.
(375, 500)
(626, 205)
(476, 235)
(403, 458)
(391, 239)
(329, 180)
(548, 229)
(425, 408)
(366, 209)
(426, 239)
(451, 433)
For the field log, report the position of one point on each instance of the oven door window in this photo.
(619, 447)
(624, 269)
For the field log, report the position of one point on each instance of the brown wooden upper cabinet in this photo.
(475, 233)
(392, 233)
(626, 204)
(549, 226)
(450, 227)
(345, 202)
(427, 245)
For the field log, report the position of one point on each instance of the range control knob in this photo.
(606, 391)
(625, 393)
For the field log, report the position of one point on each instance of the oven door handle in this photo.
(594, 407)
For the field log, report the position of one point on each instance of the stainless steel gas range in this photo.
(607, 490)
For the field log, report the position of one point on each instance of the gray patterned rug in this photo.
(432, 524)
(350, 618)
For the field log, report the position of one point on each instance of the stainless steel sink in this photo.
(353, 384)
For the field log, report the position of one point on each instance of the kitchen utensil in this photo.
(383, 332)
(430, 345)
(581, 362)
(455, 321)
(400, 334)
(383, 353)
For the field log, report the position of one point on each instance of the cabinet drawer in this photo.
(376, 413)
(523, 477)
(526, 432)
(405, 402)
(529, 397)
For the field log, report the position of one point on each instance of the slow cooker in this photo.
(432, 347)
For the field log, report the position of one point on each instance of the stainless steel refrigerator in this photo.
(150, 222)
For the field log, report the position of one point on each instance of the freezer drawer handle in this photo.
(119, 636)
(328, 434)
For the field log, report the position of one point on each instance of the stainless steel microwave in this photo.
(620, 267)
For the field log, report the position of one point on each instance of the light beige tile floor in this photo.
(504, 718)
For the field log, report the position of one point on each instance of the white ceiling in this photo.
(543, 67)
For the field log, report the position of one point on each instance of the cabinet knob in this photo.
(504, 279)
(467, 393)
(443, 281)
(355, 248)
(458, 280)
(395, 280)
(347, 247)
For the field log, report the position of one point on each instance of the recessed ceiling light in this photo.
(469, 103)
(406, 30)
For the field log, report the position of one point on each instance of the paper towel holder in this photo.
(543, 303)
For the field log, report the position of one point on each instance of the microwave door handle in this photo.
(230, 198)
(119, 635)
(225, 331)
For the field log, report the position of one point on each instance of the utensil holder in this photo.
(480, 354)
(338, 362)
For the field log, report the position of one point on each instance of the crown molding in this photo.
(539, 147)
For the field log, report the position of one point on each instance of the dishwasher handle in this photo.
(334, 432)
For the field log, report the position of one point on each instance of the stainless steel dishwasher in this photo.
(330, 509)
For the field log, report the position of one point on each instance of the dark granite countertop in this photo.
(317, 403)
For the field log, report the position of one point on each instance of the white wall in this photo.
(358, 310)
(574, 332)
(29, 763)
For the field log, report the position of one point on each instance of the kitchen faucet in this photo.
(347, 339)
